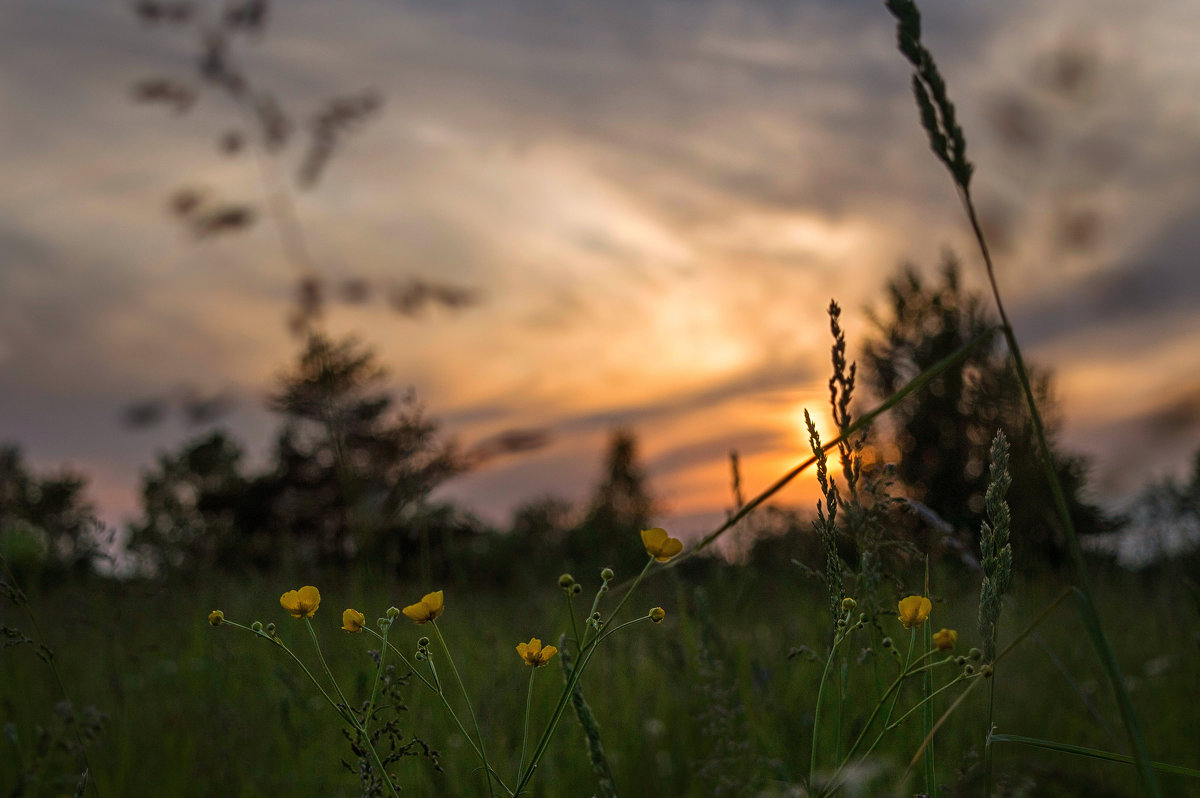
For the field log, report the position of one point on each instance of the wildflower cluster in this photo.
(304, 602)
(912, 614)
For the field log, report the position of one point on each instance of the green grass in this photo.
(192, 708)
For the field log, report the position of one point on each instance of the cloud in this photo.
(656, 201)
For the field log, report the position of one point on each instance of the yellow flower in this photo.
(429, 607)
(216, 617)
(660, 545)
(301, 603)
(914, 610)
(533, 653)
(353, 621)
(945, 639)
(657, 614)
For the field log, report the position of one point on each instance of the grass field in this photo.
(704, 703)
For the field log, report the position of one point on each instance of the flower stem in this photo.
(403, 658)
(574, 624)
(525, 736)
(470, 709)
(812, 759)
(349, 713)
(548, 732)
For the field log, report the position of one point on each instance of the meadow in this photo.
(708, 703)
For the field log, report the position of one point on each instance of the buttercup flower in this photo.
(353, 621)
(429, 607)
(945, 639)
(914, 610)
(659, 545)
(657, 614)
(533, 653)
(216, 617)
(301, 603)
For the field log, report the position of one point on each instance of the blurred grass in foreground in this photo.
(193, 709)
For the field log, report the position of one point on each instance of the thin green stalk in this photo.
(613, 616)
(343, 710)
(839, 771)
(1094, 753)
(949, 144)
(321, 656)
(470, 709)
(436, 687)
(349, 713)
(525, 736)
(574, 622)
(560, 707)
(929, 737)
(384, 641)
(812, 759)
(324, 693)
(926, 702)
(843, 682)
(927, 705)
(889, 724)
(378, 677)
(894, 687)
(1042, 616)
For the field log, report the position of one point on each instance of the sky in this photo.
(651, 205)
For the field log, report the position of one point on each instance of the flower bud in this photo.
(576, 589)
(393, 612)
(969, 669)
(848, 604)
(271, 629)
(423, 642)
(566, 581)
(960, 661)
(216, 617)
(986, 671)
(657, 614)
(607, 575)
(256, 626)
(975, 654)
(887, 642)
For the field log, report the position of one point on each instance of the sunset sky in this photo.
(653, 203)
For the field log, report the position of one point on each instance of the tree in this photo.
(199, 508)
(943, 431)
(354, 467)
(349, 476)
(619, 510)
(45, 520)
(1164, 524)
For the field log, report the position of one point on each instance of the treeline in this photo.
(350, 475)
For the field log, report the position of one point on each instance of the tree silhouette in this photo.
(354, 466)
(46, 522)
(350, 472)
(620, 508)
(943, 432)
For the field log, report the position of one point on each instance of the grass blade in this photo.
(1094, 753)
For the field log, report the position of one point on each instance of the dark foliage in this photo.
(350, 475)
(943, 432)
(46, 522)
